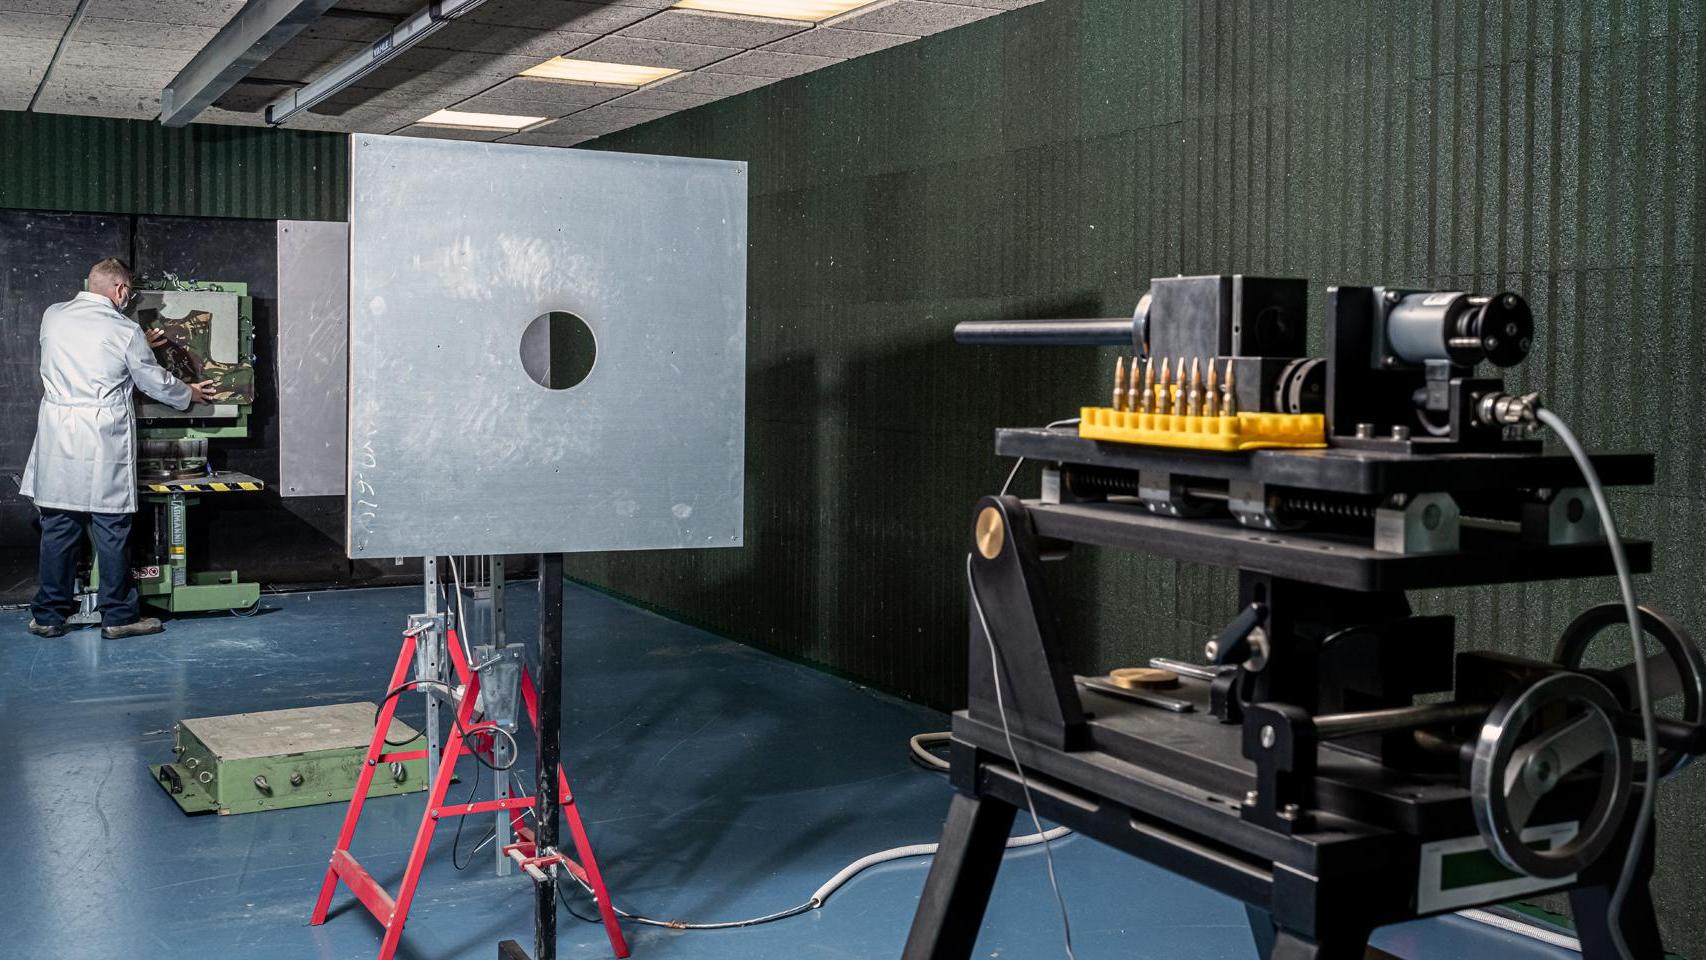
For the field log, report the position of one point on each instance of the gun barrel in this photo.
(1104, 331)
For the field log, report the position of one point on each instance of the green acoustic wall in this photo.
(1048, 161)
(105, 165)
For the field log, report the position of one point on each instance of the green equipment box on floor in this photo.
(248, 762)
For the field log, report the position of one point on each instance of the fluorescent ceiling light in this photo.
(809, 10)
(595, 71)
(480, 121)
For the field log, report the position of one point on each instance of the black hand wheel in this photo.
(1533, 740)
(1677, 670)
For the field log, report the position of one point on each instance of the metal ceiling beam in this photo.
(405, 35)
(254, 34)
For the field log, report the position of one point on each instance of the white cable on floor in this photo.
(921, 752)
(840, 879)
(822, 894)
(1522, 928)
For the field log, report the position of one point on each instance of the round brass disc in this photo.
(991, 532)
(1143, 678)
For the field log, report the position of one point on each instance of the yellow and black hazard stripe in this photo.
(204, 487)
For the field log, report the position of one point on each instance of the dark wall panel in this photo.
(297, 541)
(43, 259)
(57, 162)
(1050, 160)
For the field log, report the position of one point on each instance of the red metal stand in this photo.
(392, 912)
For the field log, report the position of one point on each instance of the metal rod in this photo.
(1105, 331)
(403, 36)
(550, 718)
(1334, 726)
(257, 31)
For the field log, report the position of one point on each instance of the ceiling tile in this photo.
(762, 63)
(395, 8)
(61, 8)
(545, 137)
(121, 102)
(715, 84)
(460, 62)
(598, 126)
(34, 52)
(142, 34)
(714, 29)
(917, 18)
(451, 133)
(567, 15)
(485, 103)
(36, 26)
(653, 53)
(839, 44)
(663, 98)
(249, 96)
(124, 62)
(558, 97)
(236, 118)
(203, 13)
(627, 116)
(518, 41)
(340, 25)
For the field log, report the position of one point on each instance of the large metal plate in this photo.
(313, 357)
(455, 248)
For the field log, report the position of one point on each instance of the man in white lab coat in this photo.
(82, 469)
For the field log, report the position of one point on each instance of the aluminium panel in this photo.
(313, 357)
(456, 248)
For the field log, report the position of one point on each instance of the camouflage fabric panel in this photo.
(186, 354)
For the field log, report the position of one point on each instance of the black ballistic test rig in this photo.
(1293, 768)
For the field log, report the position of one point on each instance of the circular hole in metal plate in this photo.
(558, 350)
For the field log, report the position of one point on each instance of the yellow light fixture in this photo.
(810, 11)
(597, 71)
(479, 121)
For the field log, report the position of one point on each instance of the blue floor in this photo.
(719, 783)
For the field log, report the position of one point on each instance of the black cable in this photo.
(456, 844)
(572, 911)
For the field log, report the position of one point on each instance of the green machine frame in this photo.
(165, 580)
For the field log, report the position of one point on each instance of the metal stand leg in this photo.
(1591, 908)
(950, 911)
(429, 575)
(550, 720)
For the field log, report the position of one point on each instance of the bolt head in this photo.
(1268, 737)
(1211, 649)
(1289, 811)
(1250, 798)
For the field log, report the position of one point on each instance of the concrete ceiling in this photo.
(118, 56)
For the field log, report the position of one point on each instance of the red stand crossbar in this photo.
(391, 912)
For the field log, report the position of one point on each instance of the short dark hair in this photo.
(112, 269)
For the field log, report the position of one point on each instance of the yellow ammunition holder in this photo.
(1245, 431)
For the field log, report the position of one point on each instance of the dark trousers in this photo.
(62, 533)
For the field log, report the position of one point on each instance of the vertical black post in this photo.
(550, 719)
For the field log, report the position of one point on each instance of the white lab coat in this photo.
(84, 457)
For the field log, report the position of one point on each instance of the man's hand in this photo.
(202, 392)
(156, 337)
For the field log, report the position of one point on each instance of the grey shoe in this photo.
(140, 628)
(46, 629)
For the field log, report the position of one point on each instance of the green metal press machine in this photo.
(210, 330)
